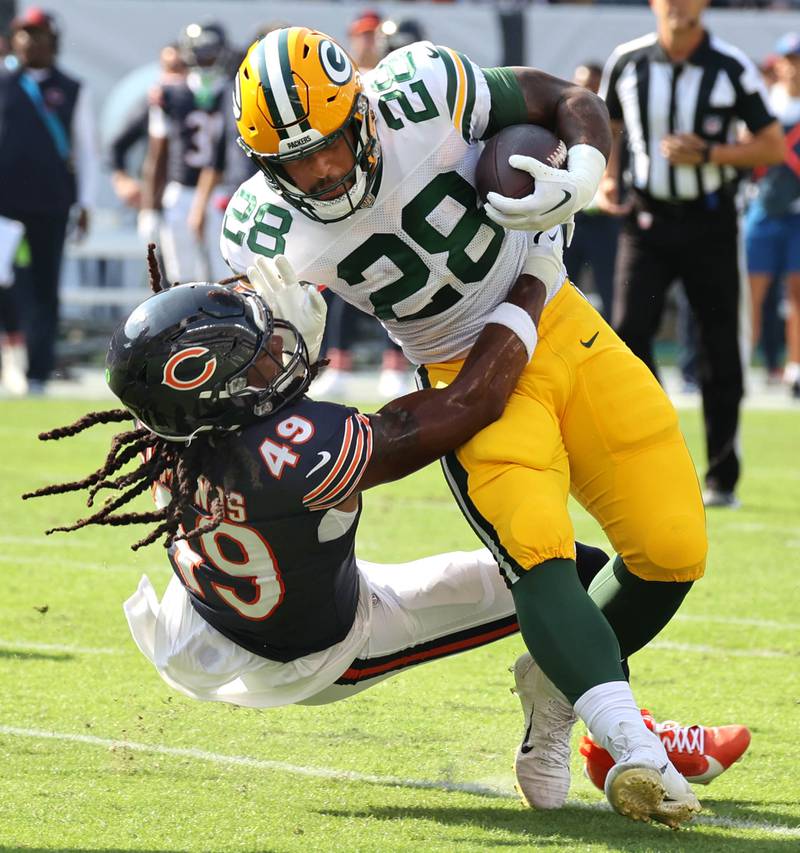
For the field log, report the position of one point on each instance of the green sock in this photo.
(635, 608)
(564, 630)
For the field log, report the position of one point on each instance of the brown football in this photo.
(492, 172)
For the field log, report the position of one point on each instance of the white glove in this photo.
(557, 193)
(148, 225)
(290, 299)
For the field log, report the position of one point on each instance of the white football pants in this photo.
(185, 257)
(408, 614)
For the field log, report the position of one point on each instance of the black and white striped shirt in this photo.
(707, 94)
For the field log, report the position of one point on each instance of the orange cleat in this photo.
(699, 753)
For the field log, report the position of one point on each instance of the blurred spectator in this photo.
(127, 186)
(186, 136)
(48, 166)
(679, 93)
(593, 250)
(392, 35)
(773, 219)
(363, 40)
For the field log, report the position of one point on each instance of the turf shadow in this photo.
(60, 657)
(568, 827)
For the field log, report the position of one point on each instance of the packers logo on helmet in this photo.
(335, 62)
(297, 92)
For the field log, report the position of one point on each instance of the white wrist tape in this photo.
(519, 321)
(586, 165)
(549, 269)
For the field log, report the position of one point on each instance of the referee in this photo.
(679, 94)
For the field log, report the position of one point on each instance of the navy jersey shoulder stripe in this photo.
(351, 462)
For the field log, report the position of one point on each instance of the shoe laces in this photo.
(678, 738)
(552, 741)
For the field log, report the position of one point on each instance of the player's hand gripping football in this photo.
(298, 302)
(557, 194)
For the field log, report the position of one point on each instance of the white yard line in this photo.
(48, 561)
(738, 620)
(352, 775)
(16, 645)
(669, 645)
(663, 645)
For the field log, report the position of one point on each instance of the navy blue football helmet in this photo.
(180, 362)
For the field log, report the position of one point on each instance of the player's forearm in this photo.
(418, 429)
(154, 172)
(573, 113)
(208, 179)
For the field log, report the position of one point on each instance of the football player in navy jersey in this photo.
(258, 493)
(186, 138)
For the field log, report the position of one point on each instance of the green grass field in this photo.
(98, 754)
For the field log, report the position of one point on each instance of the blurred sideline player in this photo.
(186, 134)
(127, 187)
(369, 189)
(250, 618)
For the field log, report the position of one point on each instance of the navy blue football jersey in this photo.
(196, 132)
(263, 578)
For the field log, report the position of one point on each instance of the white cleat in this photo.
(643, 785)
(394, 383)
(542, 762)
(14, 368)
(332, 384)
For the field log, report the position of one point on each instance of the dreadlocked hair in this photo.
(174, 465)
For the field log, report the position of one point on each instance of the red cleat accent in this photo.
(699, 753)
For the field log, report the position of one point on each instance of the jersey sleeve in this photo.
(256, 222)
(434, 77)
(316, 452)
(235, 229)
(751, 96)
(466, 93)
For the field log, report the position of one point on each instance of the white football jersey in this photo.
(423, 258)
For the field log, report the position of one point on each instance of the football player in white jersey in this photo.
(367, 186)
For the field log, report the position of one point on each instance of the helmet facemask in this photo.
(360, 135)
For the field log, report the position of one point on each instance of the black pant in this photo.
(594, 246)
(38, 287)
(660, 243)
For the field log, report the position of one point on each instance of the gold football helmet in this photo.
(297, 91)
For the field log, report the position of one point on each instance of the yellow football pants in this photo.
(587, 416)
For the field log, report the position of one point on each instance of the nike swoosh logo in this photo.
(567, 197)
(525, 749)
(591, 340)
(326, 458)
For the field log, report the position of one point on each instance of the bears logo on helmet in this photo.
(206, 372)
(296, 93)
